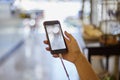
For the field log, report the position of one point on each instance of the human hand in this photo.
(73, 49)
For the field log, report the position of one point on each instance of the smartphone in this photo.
(55, 36)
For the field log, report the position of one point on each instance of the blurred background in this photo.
(22, 51)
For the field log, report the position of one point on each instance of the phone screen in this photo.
(55, 36)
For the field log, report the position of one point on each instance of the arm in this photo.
(84, 68)
(75, 56)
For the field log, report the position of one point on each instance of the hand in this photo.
(73, 49)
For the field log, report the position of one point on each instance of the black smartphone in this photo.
(55, 36)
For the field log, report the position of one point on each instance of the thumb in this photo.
(68, 35)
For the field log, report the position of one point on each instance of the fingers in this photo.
(47, 48)
(46, 41)
(55, 55)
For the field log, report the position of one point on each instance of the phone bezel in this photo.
(52, 22)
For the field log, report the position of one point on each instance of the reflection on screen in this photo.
(55, 37)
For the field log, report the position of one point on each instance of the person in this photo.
(75, 56)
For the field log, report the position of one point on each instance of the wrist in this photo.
(78, 59)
